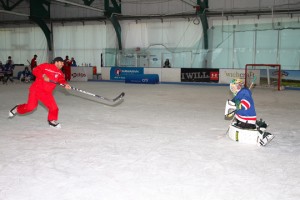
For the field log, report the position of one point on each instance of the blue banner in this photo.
(290, 75)
(285, 74)
(120, 73)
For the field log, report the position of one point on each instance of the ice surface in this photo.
(163, 142)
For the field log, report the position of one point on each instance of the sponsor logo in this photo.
(118, 72)
(80, 75)
(199, 75)
(214, 76)
(239, 75)
(194, 75)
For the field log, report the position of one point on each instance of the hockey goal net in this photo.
(266, 75)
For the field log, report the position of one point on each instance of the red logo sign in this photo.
(214, 76)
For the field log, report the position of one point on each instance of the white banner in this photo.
(79, 73)
(226, 75)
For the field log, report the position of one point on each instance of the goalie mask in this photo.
(236, 85)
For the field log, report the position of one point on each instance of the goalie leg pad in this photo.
(247, 136)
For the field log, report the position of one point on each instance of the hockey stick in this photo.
(116, 99)
(252, 83)
(230, 113)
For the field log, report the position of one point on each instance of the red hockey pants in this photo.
(46, 98)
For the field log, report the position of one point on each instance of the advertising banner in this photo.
(199, 75)
(119, 73)
(79, 73)
(288, 74)
(226, 75)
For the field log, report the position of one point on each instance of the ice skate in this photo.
(13, 112)
(264, 138)
(54, 124)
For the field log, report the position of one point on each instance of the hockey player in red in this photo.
(42, 89)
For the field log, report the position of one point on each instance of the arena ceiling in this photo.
(19, 11)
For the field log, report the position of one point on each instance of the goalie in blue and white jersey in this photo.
(245, 113)
(244, 126)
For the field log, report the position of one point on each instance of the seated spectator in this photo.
(25, 75)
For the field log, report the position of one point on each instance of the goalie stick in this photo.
(114, 100)
(252, 83)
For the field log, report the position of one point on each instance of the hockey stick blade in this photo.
(116, 99)
(119, 97)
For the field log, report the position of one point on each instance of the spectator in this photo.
(33, 62)
(8, 71)
(33, 65)
(1, 71)
(73, 62)
(9, 60)
(67, 68)
(167, 64)
(25, 75)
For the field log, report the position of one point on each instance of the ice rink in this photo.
(163, 142)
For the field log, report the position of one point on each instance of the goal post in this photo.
(269, 75)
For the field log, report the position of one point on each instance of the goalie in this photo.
(244, 127)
